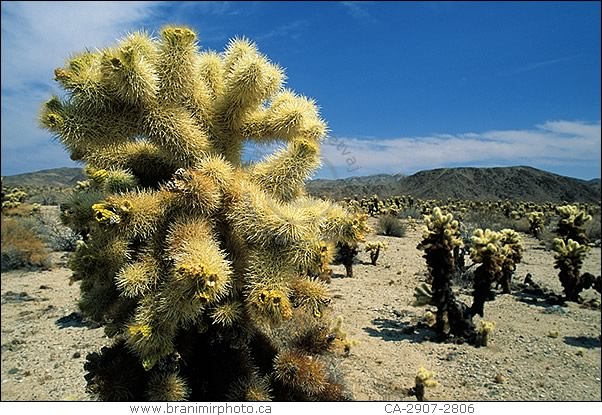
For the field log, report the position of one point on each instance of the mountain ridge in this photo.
(523, 183)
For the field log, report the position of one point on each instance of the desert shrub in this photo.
(54, 233)
(21, 247)
(493, 220)
(48, 197)
(390, 225)
(592, 229)
(410, 212)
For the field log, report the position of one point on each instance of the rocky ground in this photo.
(537, 352)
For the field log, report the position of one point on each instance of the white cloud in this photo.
(359, 10)
(37, 37)
(562, 144)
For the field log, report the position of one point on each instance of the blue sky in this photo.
(403, 86)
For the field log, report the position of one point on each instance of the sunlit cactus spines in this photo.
(571, 222)
(484, 332)
(204, 267)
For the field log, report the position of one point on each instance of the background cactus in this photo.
(485, 250)
(201, 265)
(497, 253)
(374, 248)
(536, 223)
(512, 251)
(571, 223)
(569, 258)
(571, 248)
(440, 236)
(345, 254)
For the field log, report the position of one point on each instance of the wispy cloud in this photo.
(359, 10)
(39, 36)
(536, 65)
(292, 30)
(553, 144)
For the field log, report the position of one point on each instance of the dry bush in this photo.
(390, 225)
(592, 229)
(21, 248)
(50, 229)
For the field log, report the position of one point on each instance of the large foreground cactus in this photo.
(199, 264)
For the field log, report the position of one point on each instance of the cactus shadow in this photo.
(582, 341)
(393, 330)
(77, 320)
(337, 275)
(544, 300)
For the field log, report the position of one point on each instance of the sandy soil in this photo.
(44, 340)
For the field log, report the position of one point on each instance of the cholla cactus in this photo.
(423, 295)
(424, 379)
(536, 223)
(12, 197)
(570, 225)
(571, 249)
(345, 254)
(486, 249)
(569, 259)
(13, 203)
(199, 264)
(374, 249)
(440, 236)
(512, 252)
(484, 331)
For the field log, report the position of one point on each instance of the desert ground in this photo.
(537, 351)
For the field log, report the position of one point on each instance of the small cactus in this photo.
(424, 379)
(536, 223)
(484, 332)
(374, 249)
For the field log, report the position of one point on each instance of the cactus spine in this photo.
(199, 265)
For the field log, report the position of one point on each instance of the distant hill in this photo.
(513, 183)
(61, 177)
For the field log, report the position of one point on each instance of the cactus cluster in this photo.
(571, 223)
(202, 266)
(13, 202)
(496, 252)
(12, 197)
